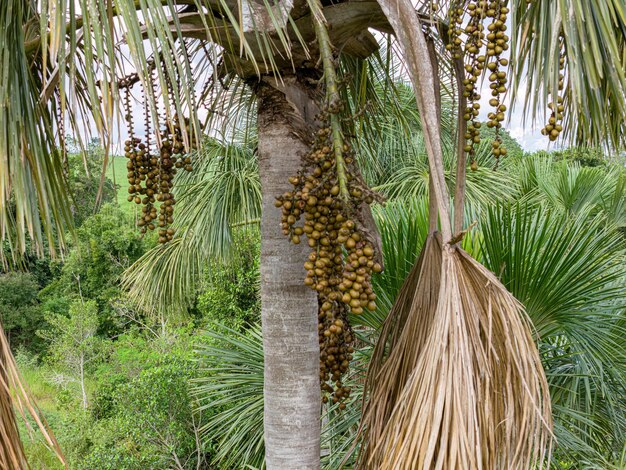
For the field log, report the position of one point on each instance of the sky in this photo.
(528, 134)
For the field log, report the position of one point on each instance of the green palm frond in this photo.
(569, 273)
(594, 33)
(410, 178)
(231, 390)
(382, 110)
(223, 192)
(32, 183)
(531, 170)
(571, 188)
(60, 77)
(614, 206)
(581, 258)
(578, 189)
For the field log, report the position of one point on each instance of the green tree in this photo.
(20, 310)
(89, 192)
(106, 245)
(230, 290)
(158, 411)
(74, 345)
(152, 422)
(141, 413)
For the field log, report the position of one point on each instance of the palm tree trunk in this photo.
(288, 307)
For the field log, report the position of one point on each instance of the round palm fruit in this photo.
(341, 260)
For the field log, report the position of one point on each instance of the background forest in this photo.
(126, 388)
(203, 348)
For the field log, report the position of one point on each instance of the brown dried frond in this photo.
(14, 394)
(477, 396)
(400, 344)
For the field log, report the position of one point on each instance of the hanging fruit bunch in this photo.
(172, 157)
(554, 127)
(482, 53)
(455, 30)
(325, 210)
(342, 258)
(497, 43)
(474, 67)
(151, 173)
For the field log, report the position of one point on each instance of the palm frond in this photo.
(614, 206)
(222, 192)
(381, 108)
(570, 275)
(410, 179)
(447, 403)
(396, 354)
(32, 184)
(578, 190)
(594, 34)
(231, 390)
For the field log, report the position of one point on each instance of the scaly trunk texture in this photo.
(288, 307)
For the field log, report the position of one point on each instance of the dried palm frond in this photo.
(477, 396)
(14, 394)
(401, 342)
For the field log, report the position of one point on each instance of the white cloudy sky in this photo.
(526, 133)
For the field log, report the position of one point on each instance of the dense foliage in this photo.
(112, 379)
(129, 388)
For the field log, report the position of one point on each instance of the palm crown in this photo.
(68, 57)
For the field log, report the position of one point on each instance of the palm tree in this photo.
(580, 331)
(68, 56)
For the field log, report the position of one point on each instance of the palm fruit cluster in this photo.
(554, 126)
(475, 64)
(342, 258)
(456, 20)
(151, 174)
(482, 52)
(497, 43)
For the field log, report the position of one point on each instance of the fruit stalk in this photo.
(333, 100)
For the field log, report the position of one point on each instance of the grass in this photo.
(42, 391)
(116, 172)
(44, 394)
